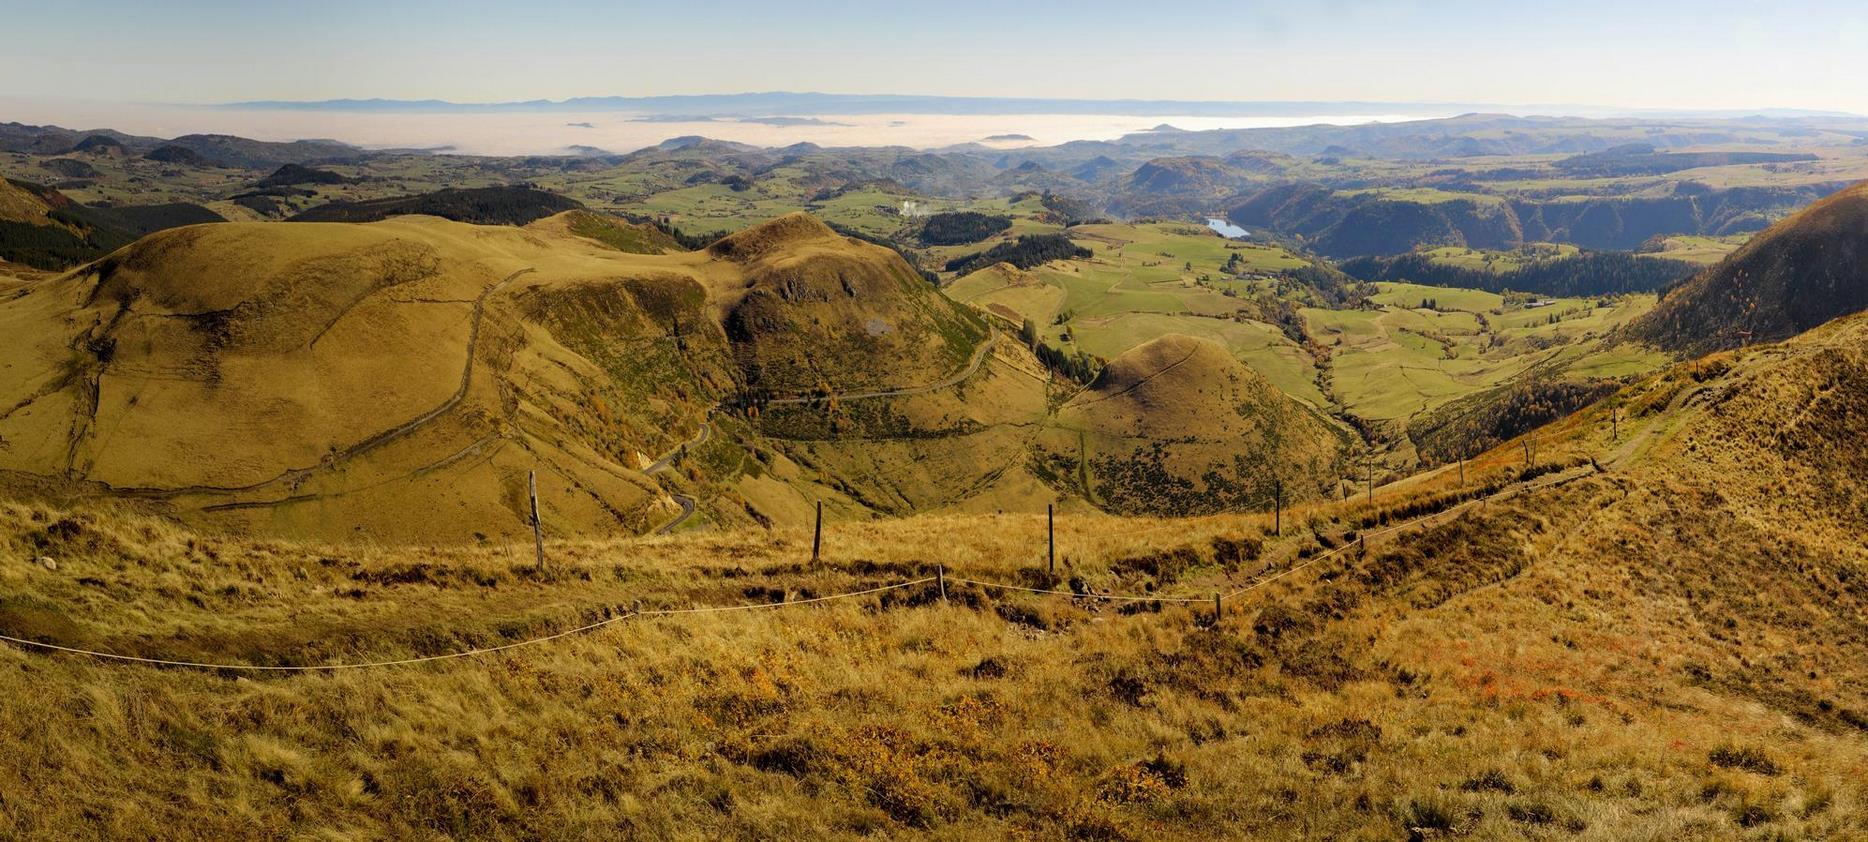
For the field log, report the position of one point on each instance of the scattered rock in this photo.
(46, 562)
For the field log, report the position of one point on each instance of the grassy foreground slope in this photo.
(1672, 645)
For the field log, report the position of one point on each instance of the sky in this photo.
(1705, 54)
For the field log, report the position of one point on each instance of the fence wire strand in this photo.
(715, 609)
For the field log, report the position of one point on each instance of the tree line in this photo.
(1027, 252)
(1586, 274)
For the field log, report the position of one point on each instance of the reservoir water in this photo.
(1227, 229)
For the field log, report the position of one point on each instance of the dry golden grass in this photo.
(1177, 425)
(1665, 636)
(1630, 654)
(396, 381)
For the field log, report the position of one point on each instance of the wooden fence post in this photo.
(1050, 532)
(1216, 609)
(538, 535)
(940, 575)
(817, 535)
(1277, 495)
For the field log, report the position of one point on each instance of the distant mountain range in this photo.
(786, 103)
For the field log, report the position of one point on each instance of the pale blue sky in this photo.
(1625, 53)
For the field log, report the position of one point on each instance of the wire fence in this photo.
(940, 579)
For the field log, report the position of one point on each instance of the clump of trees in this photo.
(1071, 211)
(1586, 274)
(961, 227)
(1027, 252)
(1479, 422)
(505, 205)
(1078, 365)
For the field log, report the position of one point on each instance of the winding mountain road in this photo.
(685, 501)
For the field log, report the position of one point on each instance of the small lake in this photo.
(1227, 229)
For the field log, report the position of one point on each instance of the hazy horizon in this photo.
(600, 125)
(1669, 55)
(557, 132)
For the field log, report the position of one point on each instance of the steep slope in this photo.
(1351, 224)
(820, 312)
(1178, 426)
(1801, 272)
(863, 376)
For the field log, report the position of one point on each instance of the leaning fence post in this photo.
(1050, 530)
(1216, 609)
(940, 576)
(817, 536)
(538, 536)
